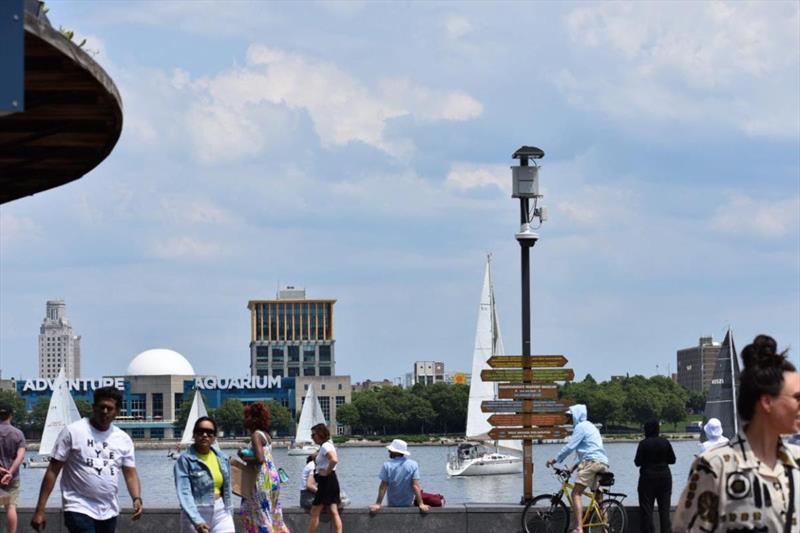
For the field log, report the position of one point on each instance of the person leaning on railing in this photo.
(753, 482)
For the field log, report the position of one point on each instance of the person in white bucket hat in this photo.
(399, 479)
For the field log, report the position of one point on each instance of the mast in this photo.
(732, 362)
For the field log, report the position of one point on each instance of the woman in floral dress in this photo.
(261, 512)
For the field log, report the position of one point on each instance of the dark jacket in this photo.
(654, 456)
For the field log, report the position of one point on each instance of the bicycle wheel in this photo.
(616, 516)
(545, 514)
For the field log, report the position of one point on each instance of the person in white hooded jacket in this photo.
(587, 444)
(714, 437)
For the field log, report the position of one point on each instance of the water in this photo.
(358, 471)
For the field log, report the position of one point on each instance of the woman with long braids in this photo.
(753, 482)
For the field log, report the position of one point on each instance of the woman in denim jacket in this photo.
(203, 483)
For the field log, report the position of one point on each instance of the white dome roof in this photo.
(159, 362)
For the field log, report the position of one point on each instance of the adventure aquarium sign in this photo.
(74, 384)
(252, 382)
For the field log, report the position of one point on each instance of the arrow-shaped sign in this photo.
(516, 406)
(527, 391)
(538, 374)
(552, 419)
(527, 433)
(536, 361)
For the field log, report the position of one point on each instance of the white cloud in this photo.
(429, 104)
(186, 247)
(457, 26)
(731, 64)
(194, 211)
(465, 176)
(757, 217)
(17, 229)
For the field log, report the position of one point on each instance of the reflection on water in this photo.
(358, 476)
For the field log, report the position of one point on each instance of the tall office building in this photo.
(696, 365)
(58, 346)
(291, 336)
(428, 372)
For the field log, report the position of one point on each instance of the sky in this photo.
(361, 150)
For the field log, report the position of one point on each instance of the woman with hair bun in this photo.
(753, 482)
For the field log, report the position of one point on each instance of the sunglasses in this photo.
(205, 431)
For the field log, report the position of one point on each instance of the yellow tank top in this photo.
(212, 462)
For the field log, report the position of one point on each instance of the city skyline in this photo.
(364, 154)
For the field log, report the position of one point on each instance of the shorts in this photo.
(218, 518)
(587, 473)
(13, 491)
(327, 490)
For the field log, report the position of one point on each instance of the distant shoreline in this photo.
(165, 444)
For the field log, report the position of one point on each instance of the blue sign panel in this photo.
(12, 56)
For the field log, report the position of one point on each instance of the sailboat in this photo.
(61, 412)
(721, 401)
(197, 410)
(474, 458)
(310, 416)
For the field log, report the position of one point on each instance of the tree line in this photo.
(442, 408)
(437, 408)
(229, 416)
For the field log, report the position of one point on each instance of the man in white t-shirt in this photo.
(91, 452)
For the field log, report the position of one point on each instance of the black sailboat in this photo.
(721, 400)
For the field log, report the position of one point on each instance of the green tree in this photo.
(347, 415)
(20, 416)
(674, 410)
(279, 416)
(643, 404)
(84, 407)
(374, 414)
(696, 402)
(230, 417)
(39, 414)
(421, 414)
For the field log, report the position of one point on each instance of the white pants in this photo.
(218, 519)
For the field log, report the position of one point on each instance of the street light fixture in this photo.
(525, 186)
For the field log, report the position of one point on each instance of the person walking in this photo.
(399, 479)
(203, 483)
(261, 512)
(714, 437)
(12, 454)
(308, 486)
(653, 457)
(753, 482)
(328, 493)
(587, 444)
(91, 452)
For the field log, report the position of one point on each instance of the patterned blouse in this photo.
(731, 491)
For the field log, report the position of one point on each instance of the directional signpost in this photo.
(523, 419)
(529, 375)
(537, 361)
(517, 406)
(536, 391)
(527, 433)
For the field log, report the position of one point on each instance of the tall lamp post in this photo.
(526, 187)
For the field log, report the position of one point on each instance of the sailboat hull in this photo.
(303, 450)
(487, 465)
(41, 461)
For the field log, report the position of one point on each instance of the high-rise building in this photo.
(428, 372)
(292, 336)
(696, 364)
(58, 346)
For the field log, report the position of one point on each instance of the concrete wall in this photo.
(471, 518)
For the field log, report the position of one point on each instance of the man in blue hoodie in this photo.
(587, 443)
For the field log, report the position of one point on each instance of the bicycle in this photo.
(547, 513)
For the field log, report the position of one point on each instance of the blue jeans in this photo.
(81, 523)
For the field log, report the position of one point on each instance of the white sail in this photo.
(61, 412)
(310, 416)
(477, 421)
(198, 409)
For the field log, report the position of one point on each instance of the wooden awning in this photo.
(72, 117)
